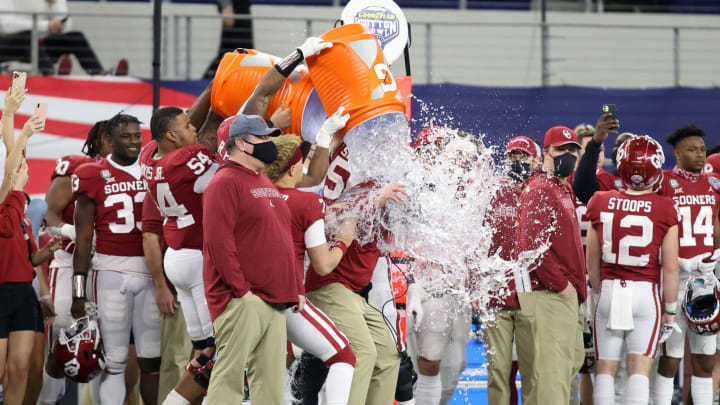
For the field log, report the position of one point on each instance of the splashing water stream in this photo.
(441, 222)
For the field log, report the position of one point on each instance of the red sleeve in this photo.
(538, 214)
(592, 215)
(221, 197)
(11, 214)
(83, 181)
(151, 219)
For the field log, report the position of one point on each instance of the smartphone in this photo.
(41, 111)
(19, 80)
(612, 109)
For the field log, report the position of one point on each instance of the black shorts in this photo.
(19, 308)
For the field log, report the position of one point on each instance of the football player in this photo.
(109, 196)
(631, 230)
(437, 333)
(181, 170)
(59, 218)
(697, 200)
(310, 329)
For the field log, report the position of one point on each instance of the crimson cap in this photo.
(558, 136)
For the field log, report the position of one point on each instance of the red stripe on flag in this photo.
(68, 129)
(134, 92)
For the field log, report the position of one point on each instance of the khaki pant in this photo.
(249, 331)
(499, 340)
(378, 362)
(176, 349)
(549, 328)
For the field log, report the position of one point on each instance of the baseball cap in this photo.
(427, 136)
(523, 144)
(244, 125)
(558, 136)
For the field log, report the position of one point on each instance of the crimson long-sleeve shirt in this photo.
(15, 265)
(547, 209)
(248, 242)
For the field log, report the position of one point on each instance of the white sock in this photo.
(338, 383)
(701, 390)
(112, 388)
(52, 389)
(604, 390)
(662, 390)
(173, 398)
(428, 389)
(409, 402)
(638, 390)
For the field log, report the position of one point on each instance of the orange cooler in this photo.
(240, 72)
(354, 74)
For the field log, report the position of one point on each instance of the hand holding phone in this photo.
(19, 80)
(607, 124)
(41, 112)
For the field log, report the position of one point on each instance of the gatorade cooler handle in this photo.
(406, 52)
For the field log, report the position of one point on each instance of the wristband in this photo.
(289, 63)
(46, 297)
(78, 286)
(341, 245)
(671, 308)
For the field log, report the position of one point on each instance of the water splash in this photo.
(442, 223)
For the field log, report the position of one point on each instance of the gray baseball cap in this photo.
(244, 125)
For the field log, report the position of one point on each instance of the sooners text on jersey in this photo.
(118, 192)
(697, 204)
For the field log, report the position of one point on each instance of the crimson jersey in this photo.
(173, 184)
(631, 229)
(608, 181)
(697, 204)
(306, 209)
(503, 216)
(66, 166)
(118, 192)
(357, 265)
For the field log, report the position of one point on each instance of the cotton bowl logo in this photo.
(385, 19)
(381, 21)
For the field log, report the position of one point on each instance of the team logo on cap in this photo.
(566, 134)
(381, 21)
(714, 182)
(674, 183)
(708, 168)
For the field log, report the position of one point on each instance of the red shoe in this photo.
(121, 68)
(64, 65)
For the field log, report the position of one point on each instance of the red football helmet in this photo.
(639, 162)
(429, 135)
(702, 305)
(78, 350)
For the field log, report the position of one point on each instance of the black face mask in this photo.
(265, 152)
(564, 164)
(519, 171)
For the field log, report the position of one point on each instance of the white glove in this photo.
(413, 305)
(667, 330)
(313, 46)
(64, 231)
(331, 125)
(703, 264)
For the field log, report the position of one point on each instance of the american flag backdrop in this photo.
(74, 105)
